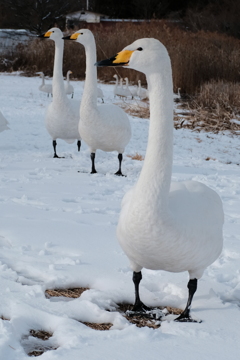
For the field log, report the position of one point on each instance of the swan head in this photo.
(146, 55)
(53, 34)
(82, 36)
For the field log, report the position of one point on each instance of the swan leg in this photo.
(93, 163)
(102, 100)
(55, 152)
(185, 315)
(138, 306)
(79, 144)
(119, 172)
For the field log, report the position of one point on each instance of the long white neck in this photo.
(89, 97)
(43, 79)
(58, 84)
(155, 177)
(68, 73)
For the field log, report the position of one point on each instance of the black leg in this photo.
(119, 172)
(138, 305)
(79, 144)
(55, 152)
(185, 315)
(93, 163)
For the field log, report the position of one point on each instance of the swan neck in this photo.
(58, 84)
(157, 168)
(90, 87)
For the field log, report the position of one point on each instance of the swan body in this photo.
(69, 89)
(141, 92)
(127, 91)
(47, 88)
(118, 88)
(62, 116)
(105, 127)
(3, 123)
(165, 226)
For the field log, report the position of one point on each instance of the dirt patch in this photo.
(38, 342)
(70, 293)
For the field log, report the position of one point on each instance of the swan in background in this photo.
(3, 123)
(141, 92)
(115, 89)
(165, 226)
(62, 115)
(47, 88)
(105, 127)
(127, 91)
(100, 94)
(69, 90)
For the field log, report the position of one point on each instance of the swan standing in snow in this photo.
(47, 88)
(165, 226)
(100, 94)
(104, 127)
(3, 123)
(62, 115)
(69, 90)
(141, 92)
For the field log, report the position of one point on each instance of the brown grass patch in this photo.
(40, 346)
(3, 318)
(95, 326)
(141, 321)
(137, 109)
(137, 156)
(70, 293)
(40, 334)
(215, 108)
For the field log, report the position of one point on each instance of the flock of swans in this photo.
(163, 225)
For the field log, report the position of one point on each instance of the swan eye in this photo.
(140, 49)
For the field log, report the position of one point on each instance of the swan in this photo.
(105, 127)
(47, 88)
(127, 91)
(118, 88)
(62, 115)
(3, 123)
(69, 90)
(141, 92)
(100, 94)
(167, 226)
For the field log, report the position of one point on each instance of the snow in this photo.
(58, 227)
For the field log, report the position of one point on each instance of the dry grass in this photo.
(70, 293)
(213, 109)
(197, 57)
(3, 318)
(141, 321)
(105, 326)
(39, 347)
(40, 334)
(137, 156)
(137, 109)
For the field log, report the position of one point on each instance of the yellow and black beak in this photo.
(45, 35)
(71, 37)
(121, 59)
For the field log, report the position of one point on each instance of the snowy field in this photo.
(58, 227)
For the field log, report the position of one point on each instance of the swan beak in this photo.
(71, 37)
(45, 35)
(121, 59)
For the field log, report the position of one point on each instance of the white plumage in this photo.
(141, 92)
(165, 226)
(62, 115)
(100, 94)
(47, 88)
(3, 123)
(104, 127)
(69, 89)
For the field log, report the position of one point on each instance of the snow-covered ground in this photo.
(57, 230)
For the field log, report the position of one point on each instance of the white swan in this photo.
(100, 94)
(47, 88)
(69, 89)
(177, 228)
(141, 92)
(3, 123)
(62, 115)
(126, 90)
(104, 127)
(118, 88)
